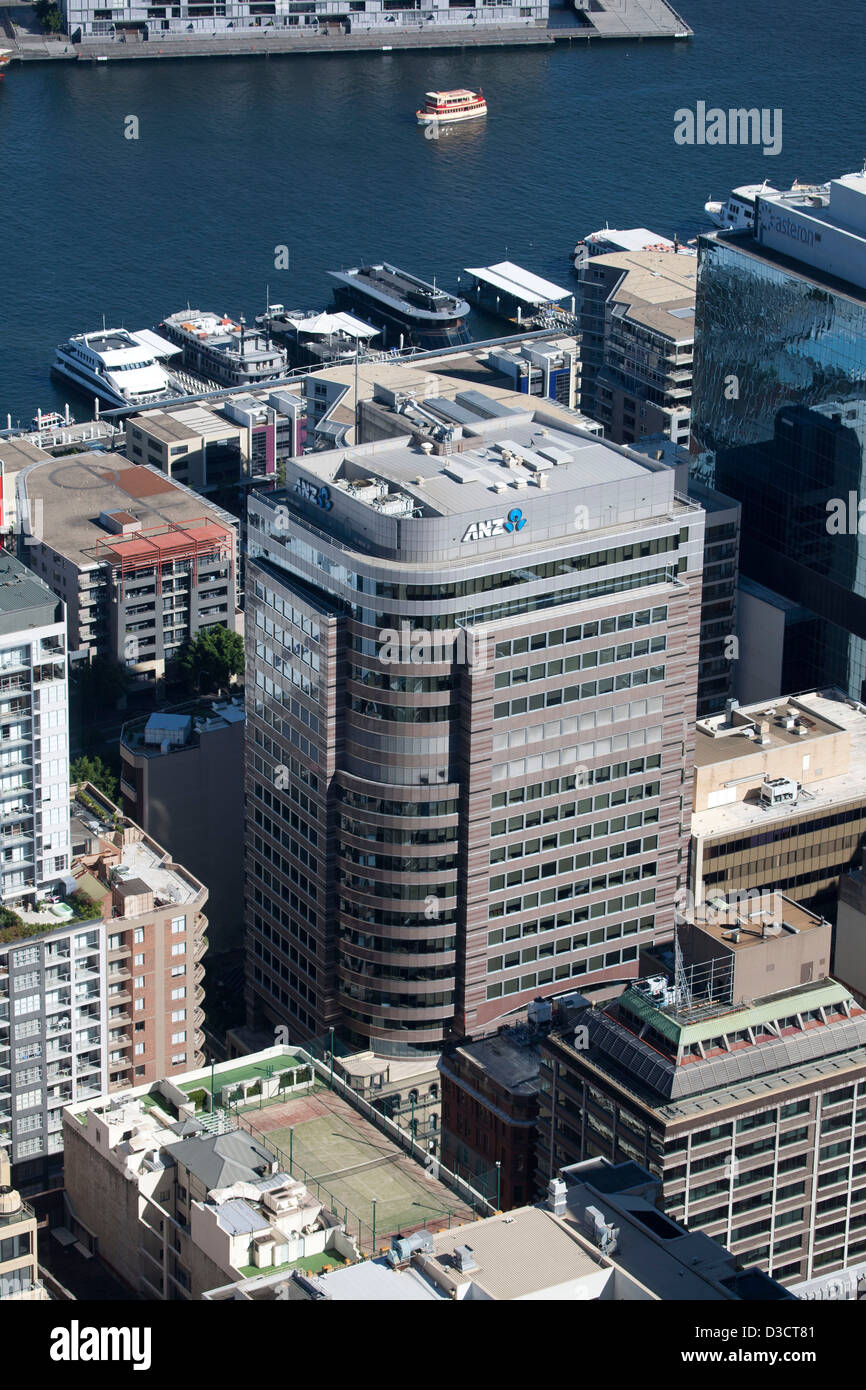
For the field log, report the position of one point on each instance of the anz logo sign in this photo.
(310, 493)
(503, 525)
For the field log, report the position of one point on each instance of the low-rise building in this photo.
(178, 1208)
(175, 769)
(599, 1237)
(222, 442)
(736, 1073)
(490, 1109)
(779, 798)
(142, 563)
(19, 1281)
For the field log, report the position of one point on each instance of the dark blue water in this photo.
(323, 155)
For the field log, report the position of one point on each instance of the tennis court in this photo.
(356, 1163)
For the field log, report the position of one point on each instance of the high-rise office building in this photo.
(471, 673)
(780, 404)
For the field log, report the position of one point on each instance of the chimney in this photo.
(556, 1191)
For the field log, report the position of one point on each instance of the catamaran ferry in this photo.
(121, 368)
(449, 107)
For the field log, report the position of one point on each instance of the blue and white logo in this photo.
(500, 526)
(320, 495)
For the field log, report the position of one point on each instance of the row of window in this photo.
(584, 661)
(602, 802)
(625, 849)
(555, 786)
(557, 840)
(515, 930)
(581, 632)
(587, 690)
(578, 890)
(564, 946)
(568, 970)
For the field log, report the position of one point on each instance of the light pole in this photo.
(374, 1228)
(498, 1183)
(291, 1148)
(412, 1121)
(212, 1102)
(331, 1083)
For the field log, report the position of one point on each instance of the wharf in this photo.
(601, 20)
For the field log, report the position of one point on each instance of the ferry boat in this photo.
(446, 108)
(737, 212)
(114, 366)
(5, 56)
(217, 349)
(410, 313)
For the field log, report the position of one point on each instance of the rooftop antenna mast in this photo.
(681, 984)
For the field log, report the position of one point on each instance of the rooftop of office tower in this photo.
(513, 477)
(816, 232)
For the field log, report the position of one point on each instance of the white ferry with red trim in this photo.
(446, 108)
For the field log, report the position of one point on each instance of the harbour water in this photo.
(237, 159)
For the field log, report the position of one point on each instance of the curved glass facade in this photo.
(780, 400)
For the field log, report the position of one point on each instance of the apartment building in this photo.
(636, 311)
(779, 798)
(395, 805)
(142, 563)
(34, 736)
(19, 1270)
(100, 989)
(736, 1073)
(175, 769)
(82, 18)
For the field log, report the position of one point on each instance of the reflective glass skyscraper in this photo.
(780, 403)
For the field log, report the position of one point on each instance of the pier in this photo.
(600, 20)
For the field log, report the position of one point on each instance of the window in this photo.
(177, 970)
(178, 949)
(139, 1005)
(179, 993)
(139, 982)
(178, 1038)
(25, 1100)
(178, 1016)
(139, 1049)
(178, 924)
(138, 936)
(178, 1059)
(138, 960)
(26, 1004)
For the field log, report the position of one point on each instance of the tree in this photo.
(101, 683)
(212, 658)
(49, 16)
(94, 770)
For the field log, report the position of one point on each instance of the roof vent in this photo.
(464, 1258)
